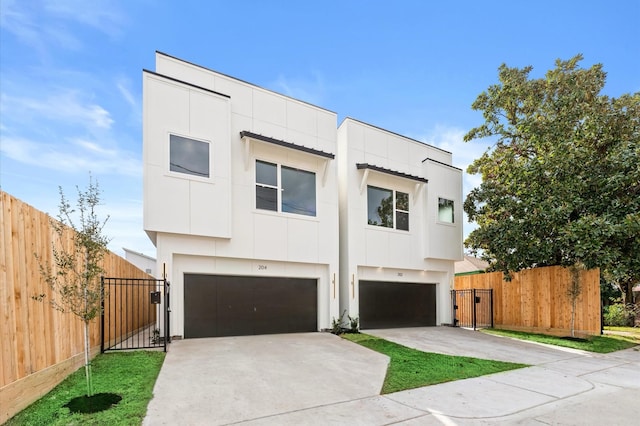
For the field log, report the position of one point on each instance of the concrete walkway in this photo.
(319, 379)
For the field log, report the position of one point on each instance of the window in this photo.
(188, 156)
(285, 189)
(445, 210)
(387, 208)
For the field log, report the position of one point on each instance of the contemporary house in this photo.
(400, 227)
(241, 202)
(247, 198)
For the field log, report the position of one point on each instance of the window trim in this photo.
(279, 190)
(183, 175)
(395, 209)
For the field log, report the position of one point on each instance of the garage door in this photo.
(391, 304)
(238, 306)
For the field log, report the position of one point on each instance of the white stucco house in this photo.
(400, 227)
(142, 261)
(247, 198)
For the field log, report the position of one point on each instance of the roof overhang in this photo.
(420, 181)
(247, 137)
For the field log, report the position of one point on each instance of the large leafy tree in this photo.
(561, 185)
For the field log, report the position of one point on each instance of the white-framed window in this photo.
(285, 189)
(387, 208)
(445, 210)
(189, 156)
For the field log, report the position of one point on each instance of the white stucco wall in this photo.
(424, 254)
(211, 225)
(142, 261)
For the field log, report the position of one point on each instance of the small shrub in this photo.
(338, 325)
(620, 315)
(354, 324)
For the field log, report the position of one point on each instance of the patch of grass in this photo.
(410, 368)
(128, 374)
(600, 344)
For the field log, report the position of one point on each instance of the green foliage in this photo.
(131, 375)
(410, 368)
(75, 277)
(561, 185)
(620, 315)
(340, 326)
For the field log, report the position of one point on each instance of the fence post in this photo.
(166, 313)
(491, 296)
(473, 300)
(453, 308)
(101, 314)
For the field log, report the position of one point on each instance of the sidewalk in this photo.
(320, 379)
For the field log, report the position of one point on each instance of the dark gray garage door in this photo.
(217, 305)
(391, 304)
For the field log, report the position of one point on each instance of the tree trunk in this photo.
(87, 360)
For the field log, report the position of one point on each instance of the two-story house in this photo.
(241, 202)
(267, 218)
(400, 227)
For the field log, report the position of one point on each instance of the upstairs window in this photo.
(188, 156)
(445, 210)
(285, 189)
(387, 208)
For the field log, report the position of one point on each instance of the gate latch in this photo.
(155, 297)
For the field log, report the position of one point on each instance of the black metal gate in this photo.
(135, 314)
(472, 308)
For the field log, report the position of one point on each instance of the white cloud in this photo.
(79, 155)
(123, 85)
(65, 106)
(311, 90)
(103, 15)
(49, 23)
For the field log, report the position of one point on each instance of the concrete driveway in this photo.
(318, 378)
(231, 379)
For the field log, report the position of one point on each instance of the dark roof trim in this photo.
(361, 166)
(247, 134)
(393, 133)
(441, 163)
(185, 83)
(240, 80)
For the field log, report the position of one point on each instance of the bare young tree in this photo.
(74, 276)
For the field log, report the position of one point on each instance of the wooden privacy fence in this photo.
(39, 346)
(537, 300)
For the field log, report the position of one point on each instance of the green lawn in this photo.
(411, 368)
(128, 374)
(600, 344)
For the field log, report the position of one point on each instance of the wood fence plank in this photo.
(536, 300)
(36, 338)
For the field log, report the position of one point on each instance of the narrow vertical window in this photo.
(402, 211)
(266, 186)
(445, 210)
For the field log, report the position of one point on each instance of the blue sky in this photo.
(70, 74)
